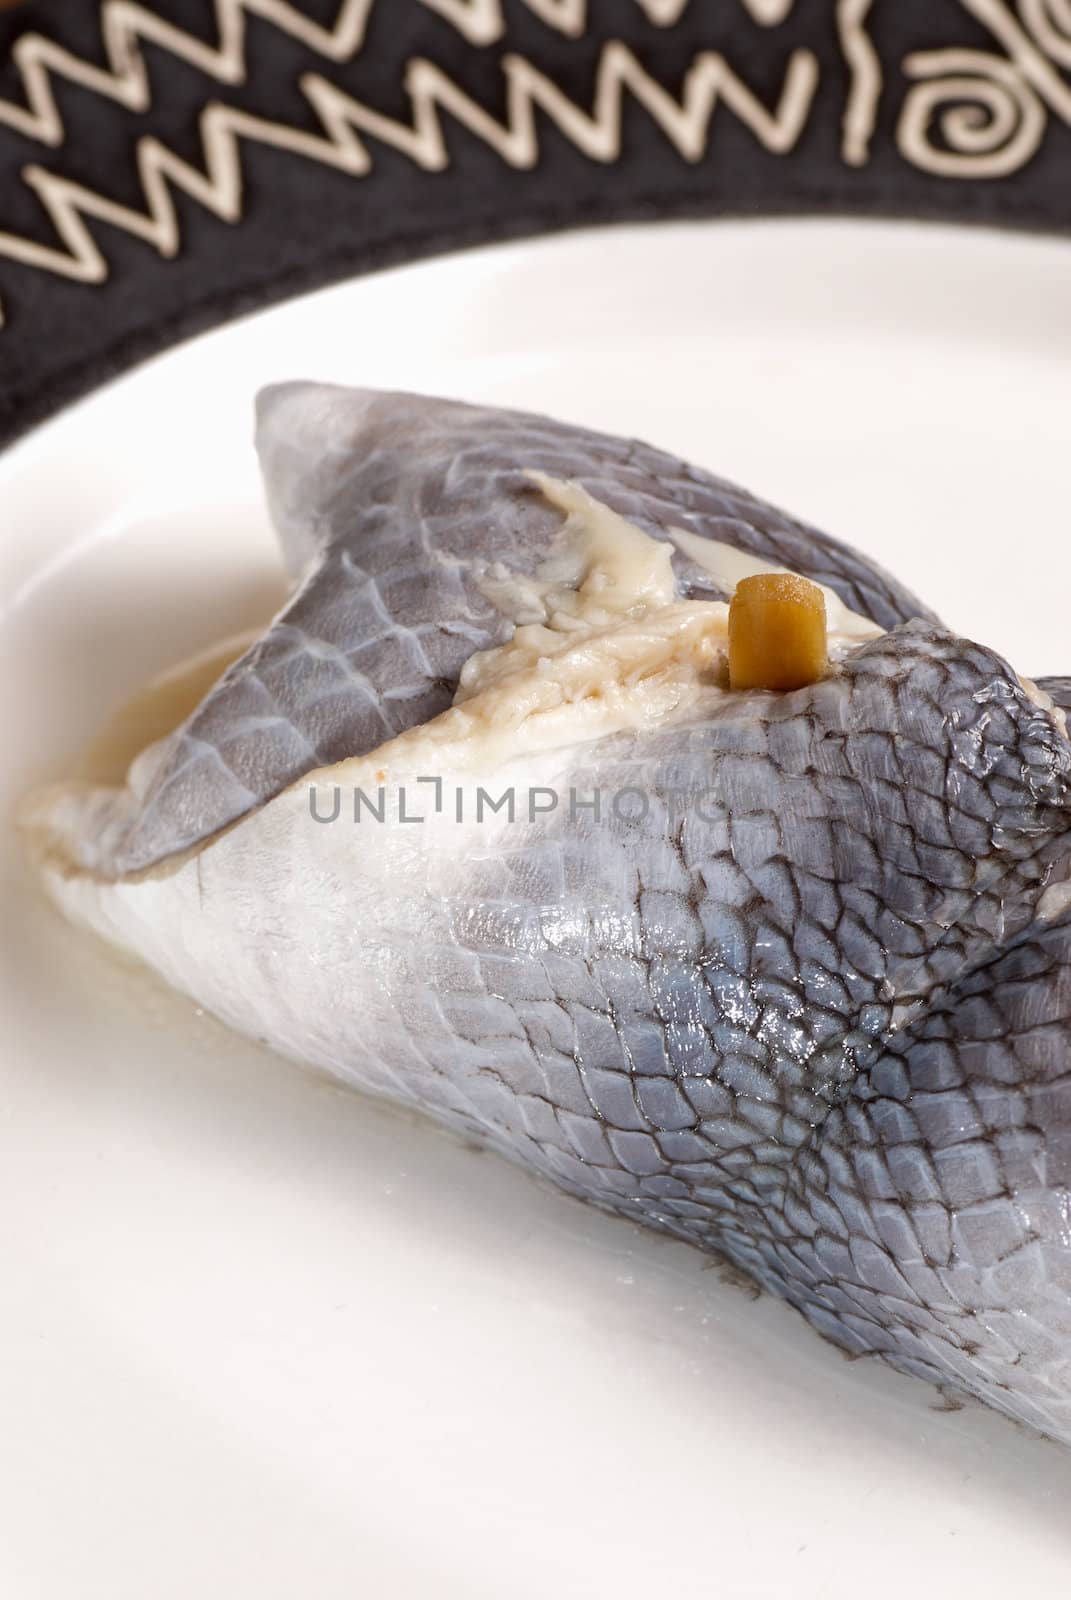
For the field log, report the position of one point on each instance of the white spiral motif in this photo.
(988, 119)
(1050, 23)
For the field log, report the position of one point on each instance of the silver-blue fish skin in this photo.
(391, 509)
(816, 1021)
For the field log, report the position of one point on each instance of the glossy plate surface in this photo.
(259, 1336)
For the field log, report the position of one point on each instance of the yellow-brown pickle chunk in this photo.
(777, 632)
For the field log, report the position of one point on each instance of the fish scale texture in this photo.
(817, 1028)
(800, 1001)
(392, 508)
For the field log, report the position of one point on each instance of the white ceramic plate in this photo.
(260, 1337)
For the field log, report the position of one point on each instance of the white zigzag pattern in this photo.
(218, 187)
(126, 23)
(482, 22)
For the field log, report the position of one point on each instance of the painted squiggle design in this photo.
(968, 113)
(991, 122)
(864, 64)
(990, 110)
(1050, 23)
(126, 25)
(483, 21)
(709, 81)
